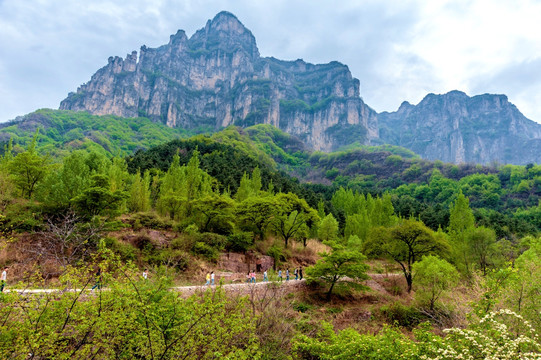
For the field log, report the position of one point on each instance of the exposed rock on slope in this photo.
(457, 128)
(217, 78)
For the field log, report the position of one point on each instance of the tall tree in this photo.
(328, 228)
(461, 220)
(406, 243)
(342, 265)
(28, 169)
(292, 214)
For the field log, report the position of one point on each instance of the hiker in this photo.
(280, 275)
(208, 279)
(98, 281)
(300, 272)
(253, 276)
(265, 276)
(296, 272)
(145, 274)
(287, 274)
(212, 278)
(248, 277)
(3, 278)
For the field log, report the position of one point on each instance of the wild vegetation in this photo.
(406, 249)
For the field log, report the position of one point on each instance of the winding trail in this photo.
(240, 288)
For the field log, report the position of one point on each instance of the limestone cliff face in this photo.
(457, 128)
(217, 78)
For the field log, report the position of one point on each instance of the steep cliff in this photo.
(217, 78)
(457, 128)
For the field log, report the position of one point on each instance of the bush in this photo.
(402, 315)
(205, 250)
(302, 307)
(239, 241)
(170, 258)
(150, 221)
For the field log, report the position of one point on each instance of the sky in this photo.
(399, 50)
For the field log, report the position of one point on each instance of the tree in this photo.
(433, 276)
(255, 214)
(213, 208)
(342, 265)
(67, 239)
(99, 199)
(60, 187)
(481, 245)
(28, 169)
(406, 243)
(292, 214)
(461, 220)
(139, 199)
(328, 228)
(523, 289)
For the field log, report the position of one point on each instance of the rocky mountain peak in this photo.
(216, 78)
(227, 33)
(457, 128)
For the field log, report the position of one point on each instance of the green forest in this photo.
(404, 258)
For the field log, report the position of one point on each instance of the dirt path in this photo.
(239, 288)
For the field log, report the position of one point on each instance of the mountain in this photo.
(456, 128)
(61, 131)
(217, 78)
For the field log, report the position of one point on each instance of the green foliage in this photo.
(523, 287)
(499, 335)
(28, 169)
(343, 265)
(133, 318)
(402, 315)
(433, 277)
(328, 228)
(239, 241)
(64, 131)
(406, 243)
(255, 214)
(390, 343)
(292, 217)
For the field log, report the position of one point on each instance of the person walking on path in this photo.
(265, 276)
(3, 279)
(98, 281)
(208, 279)
(280, 275)
(300, 273)
(212, 278)
(287, 274)
(296, 272)
(145, 274)
(253, 276)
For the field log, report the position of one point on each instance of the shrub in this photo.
(205, 250)
(239, 241)
(302, 307)
(402, 315)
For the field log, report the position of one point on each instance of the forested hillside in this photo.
(395, 249)
(62, 131)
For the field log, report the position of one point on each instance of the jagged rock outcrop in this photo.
(457, 128)
(217, 78)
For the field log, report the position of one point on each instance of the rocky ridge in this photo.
(217, 78)
(456, 128)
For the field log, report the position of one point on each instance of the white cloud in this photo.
(399, 50)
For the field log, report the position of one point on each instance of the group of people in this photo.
(210, 278)
(297, 272)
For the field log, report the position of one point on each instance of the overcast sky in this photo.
(399, 50)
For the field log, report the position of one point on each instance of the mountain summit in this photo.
(454, 127)
(217, 78)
